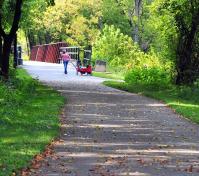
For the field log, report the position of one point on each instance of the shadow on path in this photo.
(106, 132)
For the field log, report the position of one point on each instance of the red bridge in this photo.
(47, 53)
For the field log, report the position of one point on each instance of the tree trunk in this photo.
(40, 38)
(31, 39)
(5, 56)
(8, 38)
(47, 38)
(187, 74)
(100, 23)
(1, 51)
(15, 63)
(27, 43)
(138, 5)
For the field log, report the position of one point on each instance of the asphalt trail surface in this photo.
(107, 132)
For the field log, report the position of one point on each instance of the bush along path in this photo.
(109, 132)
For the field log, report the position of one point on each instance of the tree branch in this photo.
(2, 32)
(17, 17)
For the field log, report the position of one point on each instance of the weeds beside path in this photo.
(29, 120)
(108, 75)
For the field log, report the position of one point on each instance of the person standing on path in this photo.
(66, 58)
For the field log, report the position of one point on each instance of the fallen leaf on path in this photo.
(37, 160)
(189, 169)
(141, 161)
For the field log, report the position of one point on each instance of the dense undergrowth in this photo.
(124, 57)
(108, 75)
(29, 120)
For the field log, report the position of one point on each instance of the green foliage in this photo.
(189, 92)
(141, 68)
(109, 75)
(112, 46)
(113, 14)
(109, 26)
(120, 51)
(6, 7)
(160, 31)
(72, 21)
(29, 120)
(153, 76)
(186, 15)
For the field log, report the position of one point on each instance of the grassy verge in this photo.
(29, 120)
(108, 75)
(184, 100)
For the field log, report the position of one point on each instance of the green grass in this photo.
(108, 75)
(184, 100)
(29, 120)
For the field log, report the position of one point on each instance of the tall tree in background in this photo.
(184, 37)
(1, 39)
(30, 21)
(75, 22)
(137, 14)
(132, 9)
(187, 20)
(114, 13)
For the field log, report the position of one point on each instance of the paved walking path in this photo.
(107, 132)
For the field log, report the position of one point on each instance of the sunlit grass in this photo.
(182, 100)
(29, 119)
(108, 75)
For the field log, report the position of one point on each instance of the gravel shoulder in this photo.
(107, 132)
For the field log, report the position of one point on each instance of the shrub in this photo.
(148, 76)
(114, 47)
(189, 92)
(119, 50)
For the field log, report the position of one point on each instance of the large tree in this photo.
(187, 20)
(173, 27)
(9, 25)
(9, 36)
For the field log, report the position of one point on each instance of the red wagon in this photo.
(84, 66)
(84, 70)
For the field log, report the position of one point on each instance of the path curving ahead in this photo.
(107, 132)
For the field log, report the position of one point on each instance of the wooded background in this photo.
(144, 35)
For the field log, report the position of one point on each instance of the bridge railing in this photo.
(47, 53)
(51, 53)
(75, 51)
